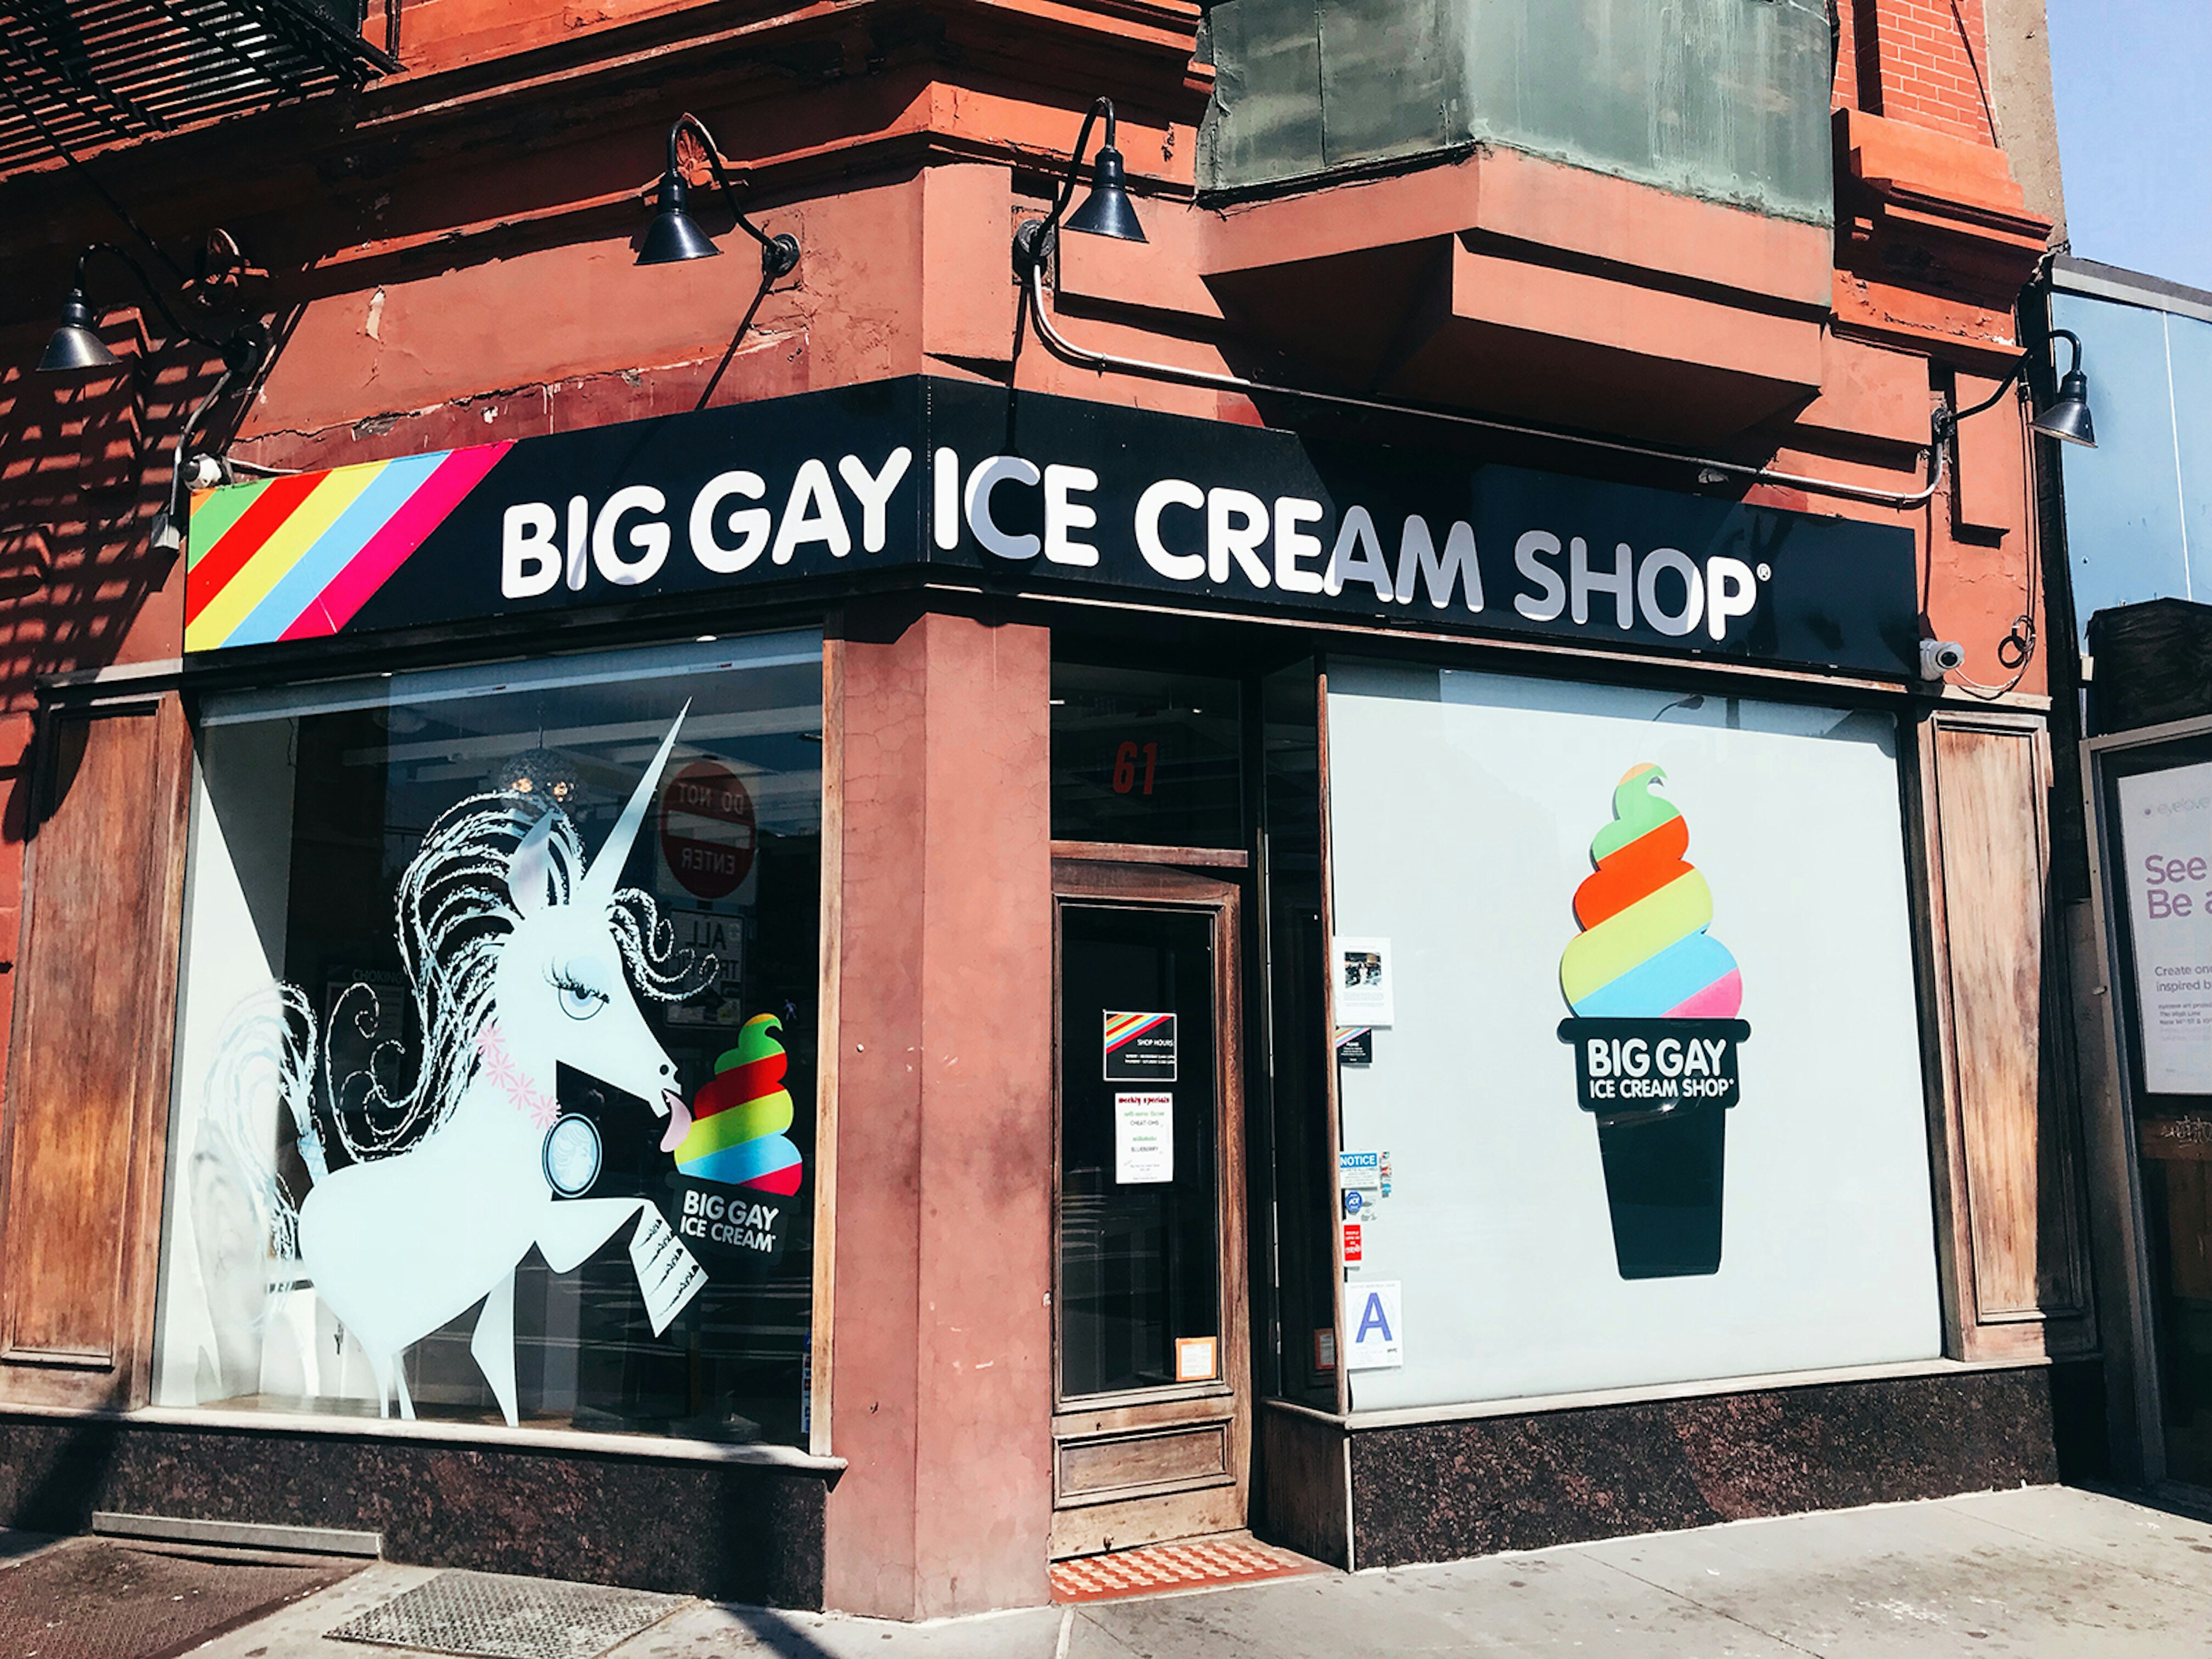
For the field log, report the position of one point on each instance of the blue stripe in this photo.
(334, 550)
(744, 1161)
(1661, 983)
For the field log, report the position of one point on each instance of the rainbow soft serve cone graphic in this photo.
(738, 1169)
(1655, 1031)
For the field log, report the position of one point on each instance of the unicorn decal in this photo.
(520, 958)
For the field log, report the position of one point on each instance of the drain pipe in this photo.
(1710, 470)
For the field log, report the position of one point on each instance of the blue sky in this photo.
(2133, 79)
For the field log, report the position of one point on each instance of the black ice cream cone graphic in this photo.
(1655, 1034)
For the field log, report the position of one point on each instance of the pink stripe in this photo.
(1722, 999)
(392, 546)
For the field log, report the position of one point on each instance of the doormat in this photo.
(491, 1616)
(1194, 1563)
(92, 1600)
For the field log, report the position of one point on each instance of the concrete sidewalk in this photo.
(2042, 1570)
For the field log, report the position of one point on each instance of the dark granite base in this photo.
(1437, 1491)
(735, 1532)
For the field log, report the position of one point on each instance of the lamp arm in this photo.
(1102, 107)
(1946, 422)
(151, 293)
(1033, 237)
(778, 253)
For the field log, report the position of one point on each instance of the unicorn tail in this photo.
(267, 1044)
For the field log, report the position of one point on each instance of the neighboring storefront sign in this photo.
(848, 485)
(2165, 831)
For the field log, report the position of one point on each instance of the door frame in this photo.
(1167, 1504)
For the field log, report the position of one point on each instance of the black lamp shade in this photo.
(674, 236)
(1107, 210)
(2067, 419)
(74, 346)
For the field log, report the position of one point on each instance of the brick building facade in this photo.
(1623, 302)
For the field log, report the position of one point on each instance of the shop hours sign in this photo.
(1140, 1047)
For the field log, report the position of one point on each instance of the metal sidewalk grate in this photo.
(92, 1600)
(1195, 1564)
(486, 1615)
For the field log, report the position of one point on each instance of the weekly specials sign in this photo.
(906, 478)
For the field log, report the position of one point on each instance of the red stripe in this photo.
(1633, 872)
(244, 539)
(738, 1084)
(784, 1181)
(392, 546)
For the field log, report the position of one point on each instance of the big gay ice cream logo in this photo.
(1654, 1033)
(737, 1169)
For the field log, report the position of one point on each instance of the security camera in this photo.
(1939, 657)
(206, 471)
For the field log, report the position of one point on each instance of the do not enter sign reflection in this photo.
(707, 829)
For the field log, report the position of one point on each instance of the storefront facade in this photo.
(829, 965)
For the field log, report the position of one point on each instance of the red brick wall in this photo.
(1924, 62)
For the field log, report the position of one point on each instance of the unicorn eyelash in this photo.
(561, 980)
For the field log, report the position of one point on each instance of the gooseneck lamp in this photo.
(674, 236)
(2067, 419)
(1106, 211)
(75, 347)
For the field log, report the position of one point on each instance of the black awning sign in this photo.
(902, 481)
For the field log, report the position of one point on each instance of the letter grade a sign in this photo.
(896, 481)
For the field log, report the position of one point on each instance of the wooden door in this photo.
(88, 1095)
(1151, 1398)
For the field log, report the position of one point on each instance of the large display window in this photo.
(497, 1045)
(1629, 1052)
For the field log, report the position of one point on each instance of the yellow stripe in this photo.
(275, 557)
(1635, 935)
(769, 1115)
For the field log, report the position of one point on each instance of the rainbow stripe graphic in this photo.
(739, 1119)
(294, 558)
(1645, 952)
(1123, 1029)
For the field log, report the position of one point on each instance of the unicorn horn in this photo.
(598, 885)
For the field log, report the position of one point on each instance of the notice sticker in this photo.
(1365, 992)
(1324, 1348)
(1371, 1322)
(1197, 1358)
(1140, 1047)
(1144, 1138)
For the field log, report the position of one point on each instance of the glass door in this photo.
(1151, 1422)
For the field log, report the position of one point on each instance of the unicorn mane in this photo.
(454, 912)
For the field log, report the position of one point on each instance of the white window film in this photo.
(1725, 1172)
(493, 1094)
